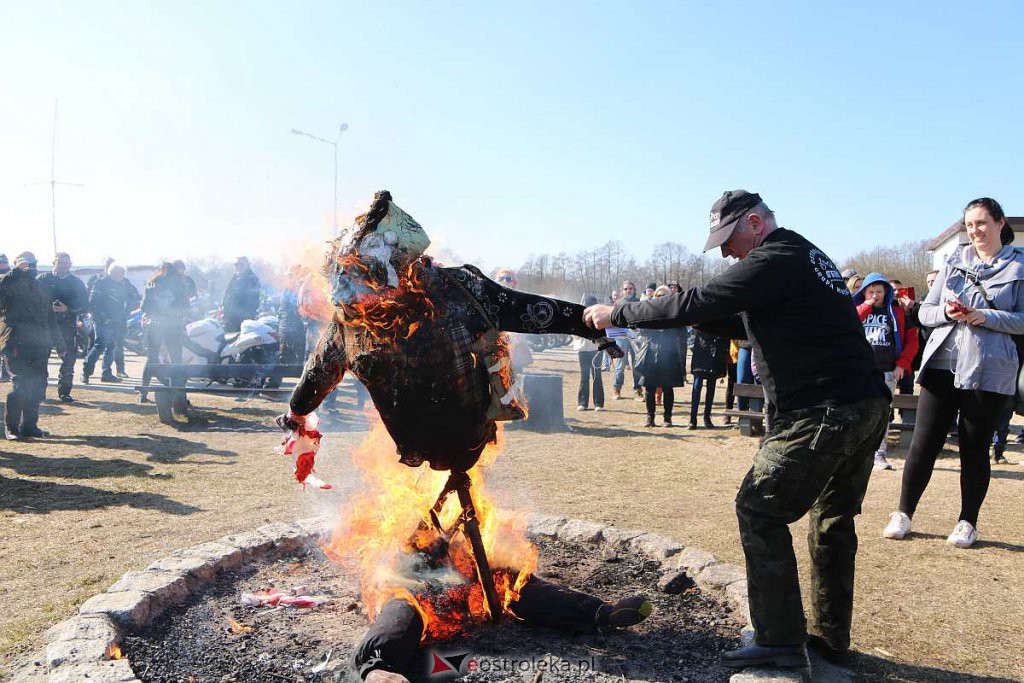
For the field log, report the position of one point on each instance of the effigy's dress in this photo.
(440, 388)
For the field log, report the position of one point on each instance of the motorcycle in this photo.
(256, 343)
(135, 333)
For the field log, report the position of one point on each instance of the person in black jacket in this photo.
(28, 329)
(166, 304)
(70, 300)
(110, 301)
(709, 362)
(661, 362)
(788, 297)
(242, 296)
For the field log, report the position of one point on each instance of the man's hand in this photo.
(906, 302)
(898, 373)
(598, 316)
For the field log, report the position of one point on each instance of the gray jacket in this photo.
(986, 353)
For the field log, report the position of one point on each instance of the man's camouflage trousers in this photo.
(816, 460)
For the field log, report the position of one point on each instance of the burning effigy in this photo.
(434, 556)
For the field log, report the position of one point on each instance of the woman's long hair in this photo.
(161, 272)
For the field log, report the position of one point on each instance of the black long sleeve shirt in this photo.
(789, 299)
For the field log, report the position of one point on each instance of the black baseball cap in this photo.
(726, 213)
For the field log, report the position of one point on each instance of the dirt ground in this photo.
(114, 489)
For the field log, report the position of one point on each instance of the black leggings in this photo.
(936, 408)
(668, 397)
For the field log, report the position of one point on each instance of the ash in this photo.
(195, 642)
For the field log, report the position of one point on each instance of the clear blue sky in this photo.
(504, 128)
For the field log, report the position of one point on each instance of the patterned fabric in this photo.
(433, 390)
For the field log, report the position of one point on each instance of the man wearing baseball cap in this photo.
(789, 300)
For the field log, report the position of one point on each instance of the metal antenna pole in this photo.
(53, 183)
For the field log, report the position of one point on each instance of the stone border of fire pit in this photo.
(78, 649)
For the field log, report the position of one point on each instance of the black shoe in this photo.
(650, 421)
(829, 653)
(708, 424)
(692, 425)
(143, 398)
(85, 378)
(122, 374)
(107, 377)
(32, 433)
(66, 398)
(668, 422)
(624, 613)
(782, 656)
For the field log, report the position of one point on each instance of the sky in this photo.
(505, 129)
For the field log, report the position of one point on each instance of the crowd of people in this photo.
(55, 312)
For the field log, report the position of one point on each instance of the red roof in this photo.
(1016, 222)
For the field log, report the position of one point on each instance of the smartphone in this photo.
(906, 292)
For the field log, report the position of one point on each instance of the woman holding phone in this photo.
(969, 364)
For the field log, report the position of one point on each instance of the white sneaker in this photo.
(898, 526)
(581, 408)
(881, 463)
(964, 535)
(598, 409)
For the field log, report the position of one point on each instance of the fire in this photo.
(381, 525)
(387, 313)
(114, 651)
(236, 627)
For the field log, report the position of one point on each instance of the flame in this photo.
(387, 313)
(114, 651)
(381, 525)
(236, 627)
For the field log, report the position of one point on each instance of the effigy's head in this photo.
(370, 255)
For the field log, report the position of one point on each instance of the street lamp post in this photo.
(333, 143)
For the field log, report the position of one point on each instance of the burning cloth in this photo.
(429, 344)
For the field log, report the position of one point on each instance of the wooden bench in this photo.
(263, 379)
(907, 405)
(750, 421)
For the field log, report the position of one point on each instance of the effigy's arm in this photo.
(323, 372)
(513, 311)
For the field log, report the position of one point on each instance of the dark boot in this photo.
(12, 416)
(782, 656)
(999, 457)
(650, 421)
(708, 424)
(624, 613)
(668, 420)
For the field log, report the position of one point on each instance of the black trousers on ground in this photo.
(668, 398)
(27, 365)
(393, 641)
(936, 408)
(590, 366)
(709, 397)
(161, 336)
(66, 373)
